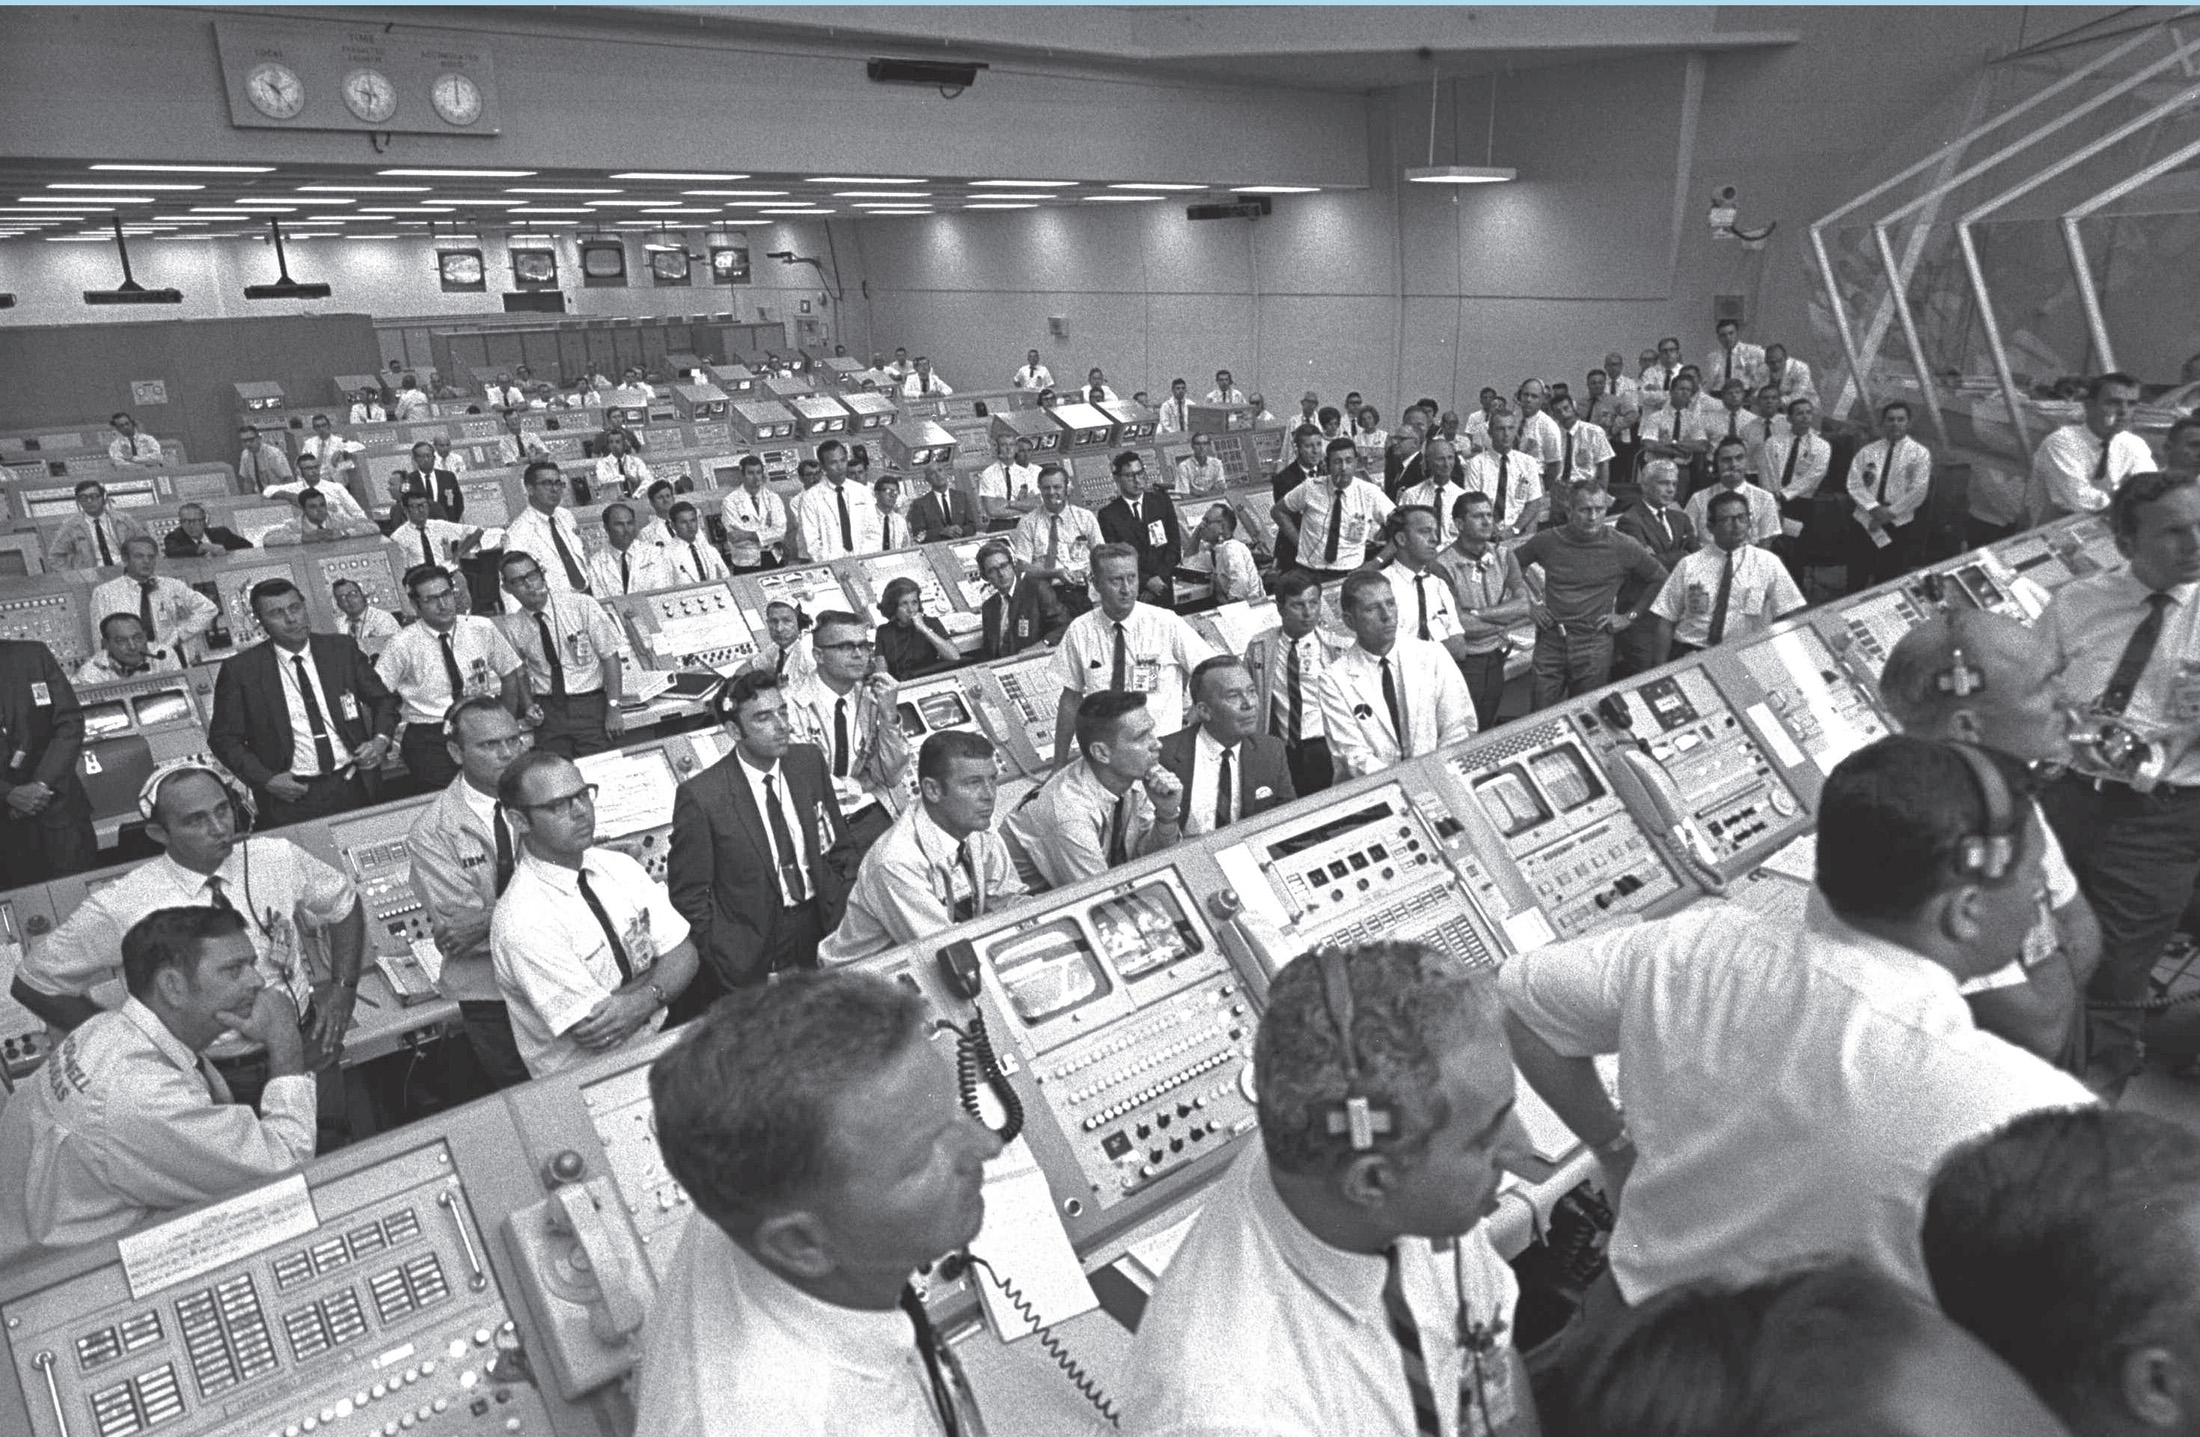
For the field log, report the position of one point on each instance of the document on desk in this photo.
(1023, 1241)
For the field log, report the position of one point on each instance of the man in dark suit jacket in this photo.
(1227, 738)
(752, 909)
(445, 499)
(45, 816)
(194, 538)
(943, 511)
(1147, 522)
(1662, 527)
(295, 774)
(1017, 614)
(1306, 464)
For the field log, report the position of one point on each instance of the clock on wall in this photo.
(275, 91)
(456, 98)
(369, 94)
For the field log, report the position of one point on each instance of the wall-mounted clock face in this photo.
(457, 99)
(370, 95)
(275, 91)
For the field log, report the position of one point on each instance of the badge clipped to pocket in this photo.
(1145, 675)
(349, 702)
(1157, 533)
(41, 696)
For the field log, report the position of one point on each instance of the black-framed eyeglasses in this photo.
(582, 797)
(861, 646)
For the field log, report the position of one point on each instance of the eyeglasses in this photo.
(569, 804)
(527, 580)
(860, 646)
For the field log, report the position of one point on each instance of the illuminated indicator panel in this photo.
(1031, 694)
(384, 1314)
(698, 625)
(626, 1123)
(1580, 851)
(1730, 786)
(56, 620)
(1134, 1030)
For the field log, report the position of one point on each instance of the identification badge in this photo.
(1023, 628)
(1157, 533)
(577, 649)
(41, 696)
(641, 944)
(1496, 1400)
(1699, 599)
(350, 705)
(1145, 675)
(1354, 533)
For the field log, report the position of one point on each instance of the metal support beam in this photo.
(2081, 268)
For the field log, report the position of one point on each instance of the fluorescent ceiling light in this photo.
(182, 220)
(458, 174)
(882, 194)
(628, 204)
(391, 235)
(554, 210)
(365, 189)
(441, 238)
(557, 190)
(74, 239)
(1014, 195)
(323, 200)
(794, 210)
(1022, 184)
(226, 210)
(678, 210)
(393, 210)
(1001, 207)
(738, 194)
(86, 201)
(896, 210)
(673, 175)
(1119, 199)
(1275, 189)
(469, 203)
(757, 204)
(189, 169)
(1142, 185)
(859, 180)
(266, 206)
(1461, 174)
(122, 185)
(426, 207)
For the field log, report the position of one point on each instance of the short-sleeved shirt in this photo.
(2090, 622)
(1067, 829)
(1591, 446)
(1069, 536)
(1362, 510)
(1764, 511)
(412, 666)
(913, 881)
(553, 959)
(1761, 591)
(1161, 650)
(585, 636)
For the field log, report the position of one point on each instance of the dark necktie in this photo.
(1336, 529)
(573, 574)
(1420, 598)
(1504, 480)
(1054, 542)
(792, 890)
(1407, 1333)
(2137, 650)
(215, 897)
(1284, 722)
(1733, 422)
(695, 556)
(550, 652)
(504, 848)
(1727, 377)
(1119, 831)
(1395, 702)
(2100, 467)
(145, 608)
(450, 668)
(1718, 605)
(603, 920)
(1886, 470)
(626, 574)
(323, 750)
(1665, 527)
(1565, 465)
(427, 546)
(1121, 677)
(847, 523)
(1787, 470)
(1224, 778)
(840, 737)
(107, 555)
(928, 1348)
(973, 906)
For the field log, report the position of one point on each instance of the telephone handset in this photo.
(1648, 791)
(976, 1065)
(582, 1272)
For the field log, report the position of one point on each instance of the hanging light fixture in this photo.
(130, 291)
(1483, 174)
(284, 287)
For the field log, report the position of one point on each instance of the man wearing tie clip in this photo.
(940, 864)
(761, 858)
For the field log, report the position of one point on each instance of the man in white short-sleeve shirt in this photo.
(587, 947)
(1336, 521)
(2078, 466)
(1126, 646)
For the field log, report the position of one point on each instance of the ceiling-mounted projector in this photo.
(947, 74)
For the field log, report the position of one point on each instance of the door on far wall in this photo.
(572, 360)
(626, 345)
(505, 349)
(652, 338)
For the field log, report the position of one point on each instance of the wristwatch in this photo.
(658, 994)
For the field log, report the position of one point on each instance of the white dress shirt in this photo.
(263, 466)
(1230, 562)
(1764, 511)
(1032, 376)
(789, 814)
(1260, 1327)
(1192, 477)
(181, 614)
(917, 386)
(530, 533)
(1909, 481)
(274, 883)
(1812, 455)
(1269, 657)
(341, 504)
(101, 668)
(525, 449)
(1161, 652)
(1199, 794)
(763, 514)
(1745, 362)
(639, 570)
(585, 636)
(812, 708)
(1065, 832)
(2067, 475)
(1438, 708)
(411, 665)
(1172, 416)
(553, 960)
(1590, 447)
(694, 561)
(911, 881)
(1539, 436)
(1668, 425)
(1790, 1088)
(305, 761)
(1761, 593)
(1795, 383)
(1068, 537)
(1363, 508)
(367, 414)
(1433, 591)
(123, 1123)
(817, 519)
(1523, 484)
(732, 1349)
(2090, 623)
(1443, 498)
(1217, 396)
(139, 448)
(372, 630)
(628, 474)
(412, 545)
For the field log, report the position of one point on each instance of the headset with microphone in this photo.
(1990, 855)
(1358, 1117)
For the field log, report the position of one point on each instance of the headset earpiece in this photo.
(1989, 855)
(1961, 678)
(1359, 1119)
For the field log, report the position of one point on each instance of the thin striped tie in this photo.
(1408, 1335)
